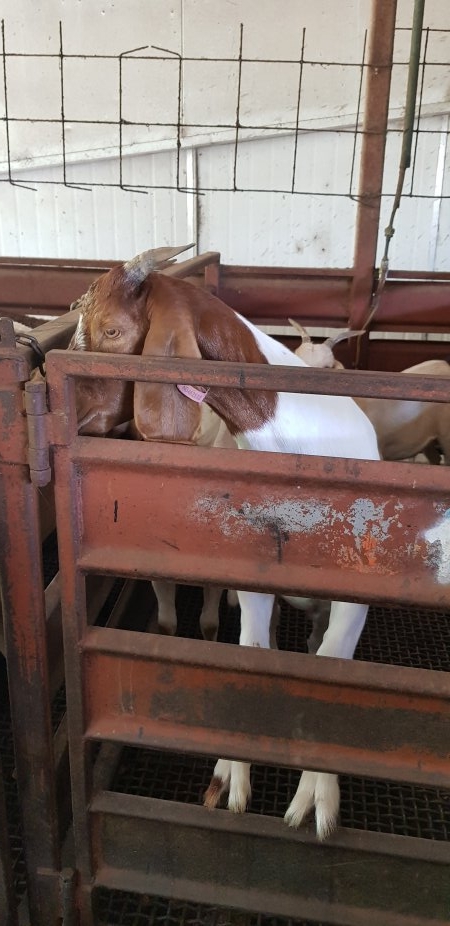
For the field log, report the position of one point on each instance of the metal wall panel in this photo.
(276, 228)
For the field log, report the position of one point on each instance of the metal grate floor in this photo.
(120, 908)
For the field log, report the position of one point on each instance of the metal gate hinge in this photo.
(39, 432)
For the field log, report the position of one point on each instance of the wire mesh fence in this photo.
(81, 106)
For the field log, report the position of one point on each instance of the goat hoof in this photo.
(214, 792)
(238, 801)
(318, 791)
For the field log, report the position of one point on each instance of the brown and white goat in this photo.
(106, 408)
(403, 428)
(134, 310)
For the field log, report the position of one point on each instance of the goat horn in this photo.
(305, 336)
(139, 267)
(342, 336)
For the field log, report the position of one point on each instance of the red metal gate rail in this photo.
(268, 521)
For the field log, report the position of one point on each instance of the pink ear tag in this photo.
(191, 392)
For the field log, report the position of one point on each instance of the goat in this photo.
(407, 428)
(132, 309)
(404, 428)
(321, 355)
(105, 408)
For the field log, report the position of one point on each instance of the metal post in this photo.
(372, 158)
(23, 605)
(8, 910)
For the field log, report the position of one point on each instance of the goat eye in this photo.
(112, 332)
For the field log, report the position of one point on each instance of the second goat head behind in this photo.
(321, 355)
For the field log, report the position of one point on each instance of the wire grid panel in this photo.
(247, 135)
(91, 105)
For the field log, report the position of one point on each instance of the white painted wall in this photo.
(313, 226)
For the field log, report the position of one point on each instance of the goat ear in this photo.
(137, 269)
(306, 338)
(161, 412)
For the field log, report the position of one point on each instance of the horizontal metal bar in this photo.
(256, 863)
(320, 526)
(318, 296)
(223, 374)
(267, 706)
(412, 300)
(55, 284)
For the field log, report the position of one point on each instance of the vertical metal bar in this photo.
(297, 114)
(8, 910)
(120, 124)
(238, 107)
(179, 112)
(23, 606)
(413, 77)
(5, 90)
(379, 68)
(212, 277)
(74, 612)
(63, 125)
(438, 191)
(419, 109)
(358, 111)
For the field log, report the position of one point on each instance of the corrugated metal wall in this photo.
(304, 217)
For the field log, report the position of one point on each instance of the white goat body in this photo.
(322, 425)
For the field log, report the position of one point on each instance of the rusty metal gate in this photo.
(150, 510)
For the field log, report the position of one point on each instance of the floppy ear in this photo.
(161, 412)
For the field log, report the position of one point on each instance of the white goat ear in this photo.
(305, 336)
(342, 336)
(138, 268)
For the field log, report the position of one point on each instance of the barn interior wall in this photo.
(313, 226)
